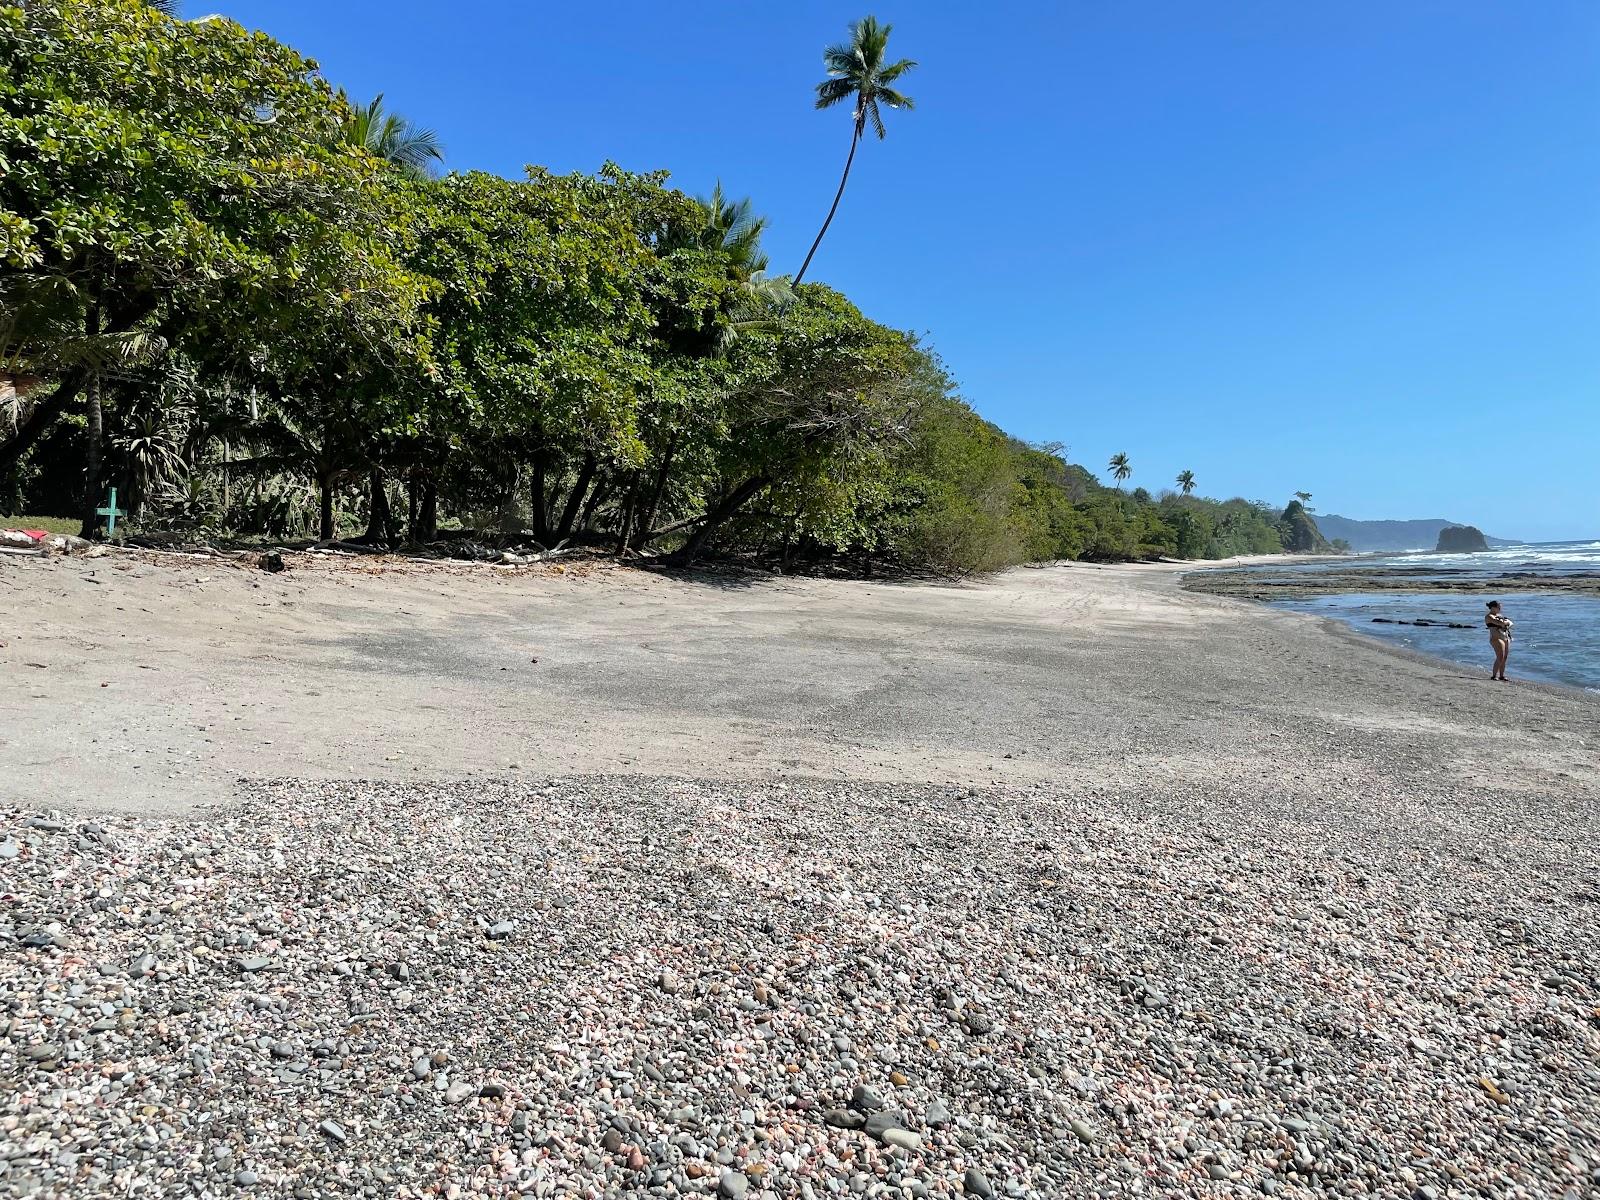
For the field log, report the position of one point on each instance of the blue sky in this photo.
(1347, 247)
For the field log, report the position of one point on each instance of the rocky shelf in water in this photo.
(1289, 584)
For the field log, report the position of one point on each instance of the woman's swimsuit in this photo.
(1500, 632)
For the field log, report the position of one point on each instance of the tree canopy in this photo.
(261, 311)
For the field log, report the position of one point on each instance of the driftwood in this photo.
(341, 546)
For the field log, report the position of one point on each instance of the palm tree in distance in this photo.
(856, 70)
(1304, 498)
(1120, 470)
(1186, 482)
(394, 139)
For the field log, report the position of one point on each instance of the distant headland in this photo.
(1367, 537)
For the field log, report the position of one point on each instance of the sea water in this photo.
(1557, 636)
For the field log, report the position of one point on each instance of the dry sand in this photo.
(149, 685)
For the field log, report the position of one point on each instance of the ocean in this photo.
(1557, 637)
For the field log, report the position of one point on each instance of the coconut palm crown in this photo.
(1120, 470)
(393, 138)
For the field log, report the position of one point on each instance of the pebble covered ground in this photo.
(642, 986)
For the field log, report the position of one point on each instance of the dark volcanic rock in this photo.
(1460, 539)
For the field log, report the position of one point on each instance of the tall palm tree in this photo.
(1186, 481)
(394, 139)
(1120, 470)
(857, 71)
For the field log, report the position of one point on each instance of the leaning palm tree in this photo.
(857, 71)
(1303, 497)
(1120, 470)
(1186, 481)
(393, 138)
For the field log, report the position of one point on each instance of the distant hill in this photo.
(1368, 536)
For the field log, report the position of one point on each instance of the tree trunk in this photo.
(507, 519)
(597, 496)
(541, 516)
(427, 523)
(730, 504)
(93, 435)
(628, 506)
(325, 512)
(411, 504)
(579, 489)
(41, 416)
(788, 543)
(380, 519)
(855, 138)
(656, 492)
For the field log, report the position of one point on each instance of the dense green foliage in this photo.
(1299, 531)
(252, 308)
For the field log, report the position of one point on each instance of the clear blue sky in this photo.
(1348, 246)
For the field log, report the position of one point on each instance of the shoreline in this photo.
(1230, 581)
(1292, 589)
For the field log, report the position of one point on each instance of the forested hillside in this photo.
(253, 307)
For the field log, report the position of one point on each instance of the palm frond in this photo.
(870, 108)
(841, 59)
(833, 91)
(856, 69)
(890, 73)
(394, 139)
(895, 99)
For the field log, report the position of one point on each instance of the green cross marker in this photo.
(110, 512)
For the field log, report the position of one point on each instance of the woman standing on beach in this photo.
(1500, 639)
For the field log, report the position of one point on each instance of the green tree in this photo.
(546, 330)
(1185, 482)
(815, 403)
(155, 169)
(857, 71)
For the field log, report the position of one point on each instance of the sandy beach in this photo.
(151, 686)
(354, 881)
